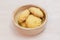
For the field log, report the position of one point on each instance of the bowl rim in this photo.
(14, 12)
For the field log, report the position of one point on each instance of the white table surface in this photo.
(52, 31)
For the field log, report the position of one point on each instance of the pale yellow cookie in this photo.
(23, 24)
(23, 15)
(36, 11)
(33, 21)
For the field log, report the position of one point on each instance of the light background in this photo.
(52, 31)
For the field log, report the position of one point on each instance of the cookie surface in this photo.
(33, 21)
(36, 11)
(23, 15)
(23, 24)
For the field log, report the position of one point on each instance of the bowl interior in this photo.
(26, 7)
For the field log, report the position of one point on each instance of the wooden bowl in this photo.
(29, 31)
